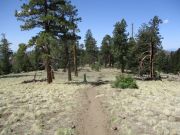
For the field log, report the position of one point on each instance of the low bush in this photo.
(96, 67)
(64, 131)
(124, 82)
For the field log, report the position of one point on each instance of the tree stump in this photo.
(85, 80)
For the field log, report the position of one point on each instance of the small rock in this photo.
(73, 126)
(18, 120)
(98, 96)
(115, 128)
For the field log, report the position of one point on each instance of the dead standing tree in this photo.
(150, 35)
(141, 63)
(149, 56)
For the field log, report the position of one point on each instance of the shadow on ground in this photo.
(95, 83)
(16, 76)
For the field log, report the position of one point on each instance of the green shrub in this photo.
(96, 67)
(64, 131)
(124, 82)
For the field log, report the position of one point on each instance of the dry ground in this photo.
(37, 108)
(153, 109)
(88, 109)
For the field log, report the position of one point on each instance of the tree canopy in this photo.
(120, 39)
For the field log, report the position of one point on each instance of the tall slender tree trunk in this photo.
(75, 60)
(69, 72)
(105, 62)
(48, 69)
(48, 62)
(48, 65)
(68, 61)
(151, 60)
(122, 65)
(122, 68)
(109, 60)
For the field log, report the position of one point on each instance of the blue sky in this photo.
(100, 16)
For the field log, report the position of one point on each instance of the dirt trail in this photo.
(94, 121)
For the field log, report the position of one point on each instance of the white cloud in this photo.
(166, 21)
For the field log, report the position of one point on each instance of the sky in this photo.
(100, 16)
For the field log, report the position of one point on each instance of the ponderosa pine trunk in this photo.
(151, 60)
(69, 72)
(48, 61)
(48, 69)
(122, 65)
(109, 60)
(68, 61)
(75, 60)
(65, 59)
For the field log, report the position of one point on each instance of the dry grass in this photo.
(36, 108)
(153, 109)
(39, 108)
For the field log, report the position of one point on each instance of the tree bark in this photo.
(141, 63)
(65, 58)
(109, 60)
(122, 65)
(48, 62)
(69, 72)
(68, 61)
(48, 69)
(85, 80)
(75, 60)
(151, 60)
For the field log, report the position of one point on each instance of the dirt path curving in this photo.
(93, 120)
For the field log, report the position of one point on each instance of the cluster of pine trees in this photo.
(56, 45)
(142, 53)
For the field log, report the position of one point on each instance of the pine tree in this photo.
(155, 41)
(67, 33)
(106, 50)
(36, 60)
(120, 38)
(175, 61)
(81, 55)
(162, 61)
(5, 56)
(21, 60)
(54, 18)
(149, 42)
(40, 14)
(132, 60)
(91, 48)
(75, 58)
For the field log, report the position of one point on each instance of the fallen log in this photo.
(34, 80)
